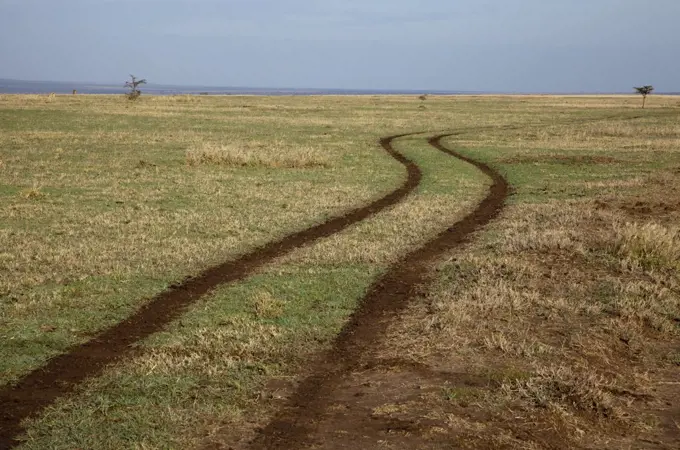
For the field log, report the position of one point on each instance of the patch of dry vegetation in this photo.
(276, 335)
(648, 246)
(273, 155)
(569, 307)
(266, 306)
(97, 198)
(449, 190)
(596, 137)
(589, 332)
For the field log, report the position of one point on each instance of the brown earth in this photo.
(660, 200)
(62, 374)
(338, 405)
(645, 208)
(561, 159)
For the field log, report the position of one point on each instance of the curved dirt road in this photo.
(328, 410)
(59, 377)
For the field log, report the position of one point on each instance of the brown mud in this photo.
(62, 374)
(326, 409)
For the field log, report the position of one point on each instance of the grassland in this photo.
(568, 304)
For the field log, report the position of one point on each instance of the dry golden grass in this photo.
(448, 194)
(649, 246)
(273, 155)
(569, 304)
(97, 199)
(266, 306)
(382, 240)
(557, 387)
(215, 352)
(596, 137)
(561, 335)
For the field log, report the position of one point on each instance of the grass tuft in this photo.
(34, 193)
(256, 155)
(564, 388)
(649, 246)
(266, 306)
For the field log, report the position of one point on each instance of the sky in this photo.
(459, 45)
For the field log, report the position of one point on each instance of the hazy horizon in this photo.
(526, 46)
(89, 87)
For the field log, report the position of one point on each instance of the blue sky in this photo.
(479, 45)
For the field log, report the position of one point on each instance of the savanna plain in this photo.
(557, 325)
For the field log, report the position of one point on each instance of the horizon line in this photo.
(327, 89)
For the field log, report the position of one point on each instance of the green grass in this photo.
(100, 211)
(223, 351)
(101, 215)
(96, 188)
(207, 367)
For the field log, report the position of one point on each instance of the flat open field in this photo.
(274, 272)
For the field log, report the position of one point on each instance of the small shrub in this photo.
(644, 91)
(133, 85)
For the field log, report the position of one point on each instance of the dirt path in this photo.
(62, 374)
(332, 407)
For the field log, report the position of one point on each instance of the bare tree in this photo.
(644, 91)
(133, 85)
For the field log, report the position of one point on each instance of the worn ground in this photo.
(557, 327)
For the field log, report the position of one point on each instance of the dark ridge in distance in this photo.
(11, 86)
(58, 87)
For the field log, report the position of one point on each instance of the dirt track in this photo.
(62, 374)
(325, 411)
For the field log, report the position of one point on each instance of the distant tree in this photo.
(133, 85)
(644, 91)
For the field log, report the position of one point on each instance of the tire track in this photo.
(62, 374)
(386, 297)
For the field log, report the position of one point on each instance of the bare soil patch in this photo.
(645, 209)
